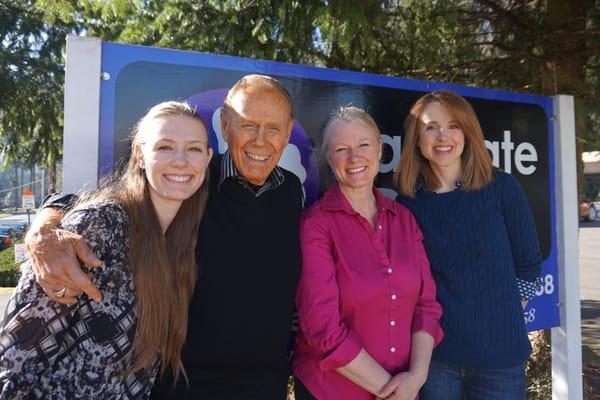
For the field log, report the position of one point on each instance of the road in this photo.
(589, 289)
(17, 218)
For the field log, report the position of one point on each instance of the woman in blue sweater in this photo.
(481, 241)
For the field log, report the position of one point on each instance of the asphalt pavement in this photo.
(589, 290)
(4, 297)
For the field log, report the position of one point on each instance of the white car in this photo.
(589, 210)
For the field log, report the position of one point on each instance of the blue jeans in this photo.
(452, 382)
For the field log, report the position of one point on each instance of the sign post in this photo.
(566, 338)
(28, 202)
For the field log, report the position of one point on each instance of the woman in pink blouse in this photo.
(366, 298)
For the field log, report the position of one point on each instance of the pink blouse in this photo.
(360, 288)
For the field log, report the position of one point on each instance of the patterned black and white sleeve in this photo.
(528, 289)
(35, 329)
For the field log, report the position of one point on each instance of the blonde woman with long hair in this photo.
(143, 226)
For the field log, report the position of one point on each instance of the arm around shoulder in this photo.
(33, 334)
(55, 255)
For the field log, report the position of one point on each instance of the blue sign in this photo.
(517, 127)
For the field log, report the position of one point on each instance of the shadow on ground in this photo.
(588, 224)
(590, 330)
(590, 309)
(590, 324)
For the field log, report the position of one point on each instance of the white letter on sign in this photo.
(395, 143)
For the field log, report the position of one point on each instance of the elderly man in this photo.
(247, 254)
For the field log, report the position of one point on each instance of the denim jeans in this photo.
(452, 382)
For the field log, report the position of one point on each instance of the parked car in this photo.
(20, 228)
(589, 210)
(7, 236)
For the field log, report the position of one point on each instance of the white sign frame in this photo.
(566, 339)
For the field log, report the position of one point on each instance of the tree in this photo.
(536, 46)
(407, 38)
(31, 80)
(546, 47)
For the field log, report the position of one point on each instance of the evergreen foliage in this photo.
(537, 46)
(9, 270)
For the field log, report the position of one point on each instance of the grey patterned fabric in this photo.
(229, 170)
(527, 289)
(53, 351)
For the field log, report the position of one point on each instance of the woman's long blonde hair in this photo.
(163, 265)
(477, 169)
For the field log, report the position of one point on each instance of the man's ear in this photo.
(290, 127)
(225, 124)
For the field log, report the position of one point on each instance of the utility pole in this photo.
(43, 185)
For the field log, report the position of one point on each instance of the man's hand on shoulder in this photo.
(55, 255)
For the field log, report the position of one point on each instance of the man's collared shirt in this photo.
(229, 170)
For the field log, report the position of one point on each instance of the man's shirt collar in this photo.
(229, 170)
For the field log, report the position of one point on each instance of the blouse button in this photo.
(379, 227)
(394, 297)
(393, 349)
(392, 323)
(389, 270)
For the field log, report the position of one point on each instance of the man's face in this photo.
(257, 128)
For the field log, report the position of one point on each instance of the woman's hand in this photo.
(406, 385)
(403, 386)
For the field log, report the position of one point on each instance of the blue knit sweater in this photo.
(478, 243)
